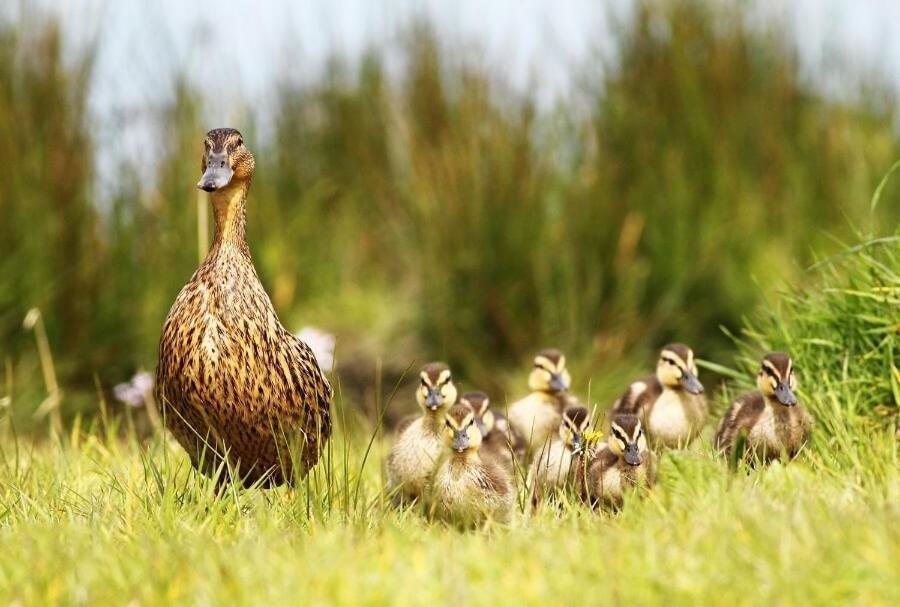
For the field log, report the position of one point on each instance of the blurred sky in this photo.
(236, 50)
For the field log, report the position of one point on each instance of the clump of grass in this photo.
(843, 333)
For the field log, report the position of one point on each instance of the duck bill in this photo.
(577, 443)
(690, 383)
(785, 395)
(433, 400)
(632, 456)
(460, 442)
(218, 172)
(557, 384)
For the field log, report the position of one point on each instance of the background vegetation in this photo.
(698, 186)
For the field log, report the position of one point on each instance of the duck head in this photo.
(576, 421)
(626, 438)
(436, 391)
(480, 405)
(676, 369)
(226, 160)
(776, 379)
(461, 433)
(549, 373)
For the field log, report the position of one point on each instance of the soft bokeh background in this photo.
(437, 180)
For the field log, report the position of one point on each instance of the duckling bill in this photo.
(231, 381)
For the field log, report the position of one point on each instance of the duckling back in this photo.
(608, 478)
(413, 458)
(536, 418)
(471, 490)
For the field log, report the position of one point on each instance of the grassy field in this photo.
(102, 517)
(697, 186)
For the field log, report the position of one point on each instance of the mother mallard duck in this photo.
(232, 382)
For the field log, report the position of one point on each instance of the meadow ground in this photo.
(103, 520)
(99, 517)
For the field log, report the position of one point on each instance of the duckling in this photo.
(671, 403)
(498, 439)
(231, 381)
(555, 464)
(415, 455)
(469, 487)
(774, 421)
(537, 416)
(621, 464)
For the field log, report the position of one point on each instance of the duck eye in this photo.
(240, 141)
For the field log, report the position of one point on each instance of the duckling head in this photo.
(676, 369)
(776, 378)
(436, 391)
(226, 160)
(549, 373)
(480, 404)
(461, 433)
(626, 438)
(575, 422)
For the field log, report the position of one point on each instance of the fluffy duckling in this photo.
(671, 403)
(498, 439)
(772, 418)
(537, 416)
(469, 487)
(419, 445)
(554, 465)
(621, 464)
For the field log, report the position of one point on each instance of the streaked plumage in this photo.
(230, 379)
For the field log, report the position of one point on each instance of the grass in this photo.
(103, 521)
(102, 517)
(697, 157)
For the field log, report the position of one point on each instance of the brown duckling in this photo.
(621, 464)
(420, 441)
(670, 404)
(554, 465)
(771, 417)
(499, 440)
(230, 378)
(537, 416)
(469, 486)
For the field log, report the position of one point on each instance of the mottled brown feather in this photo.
(230, 379)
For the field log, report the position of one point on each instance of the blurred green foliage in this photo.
(442, 215)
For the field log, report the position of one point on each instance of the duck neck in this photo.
(229, 210)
